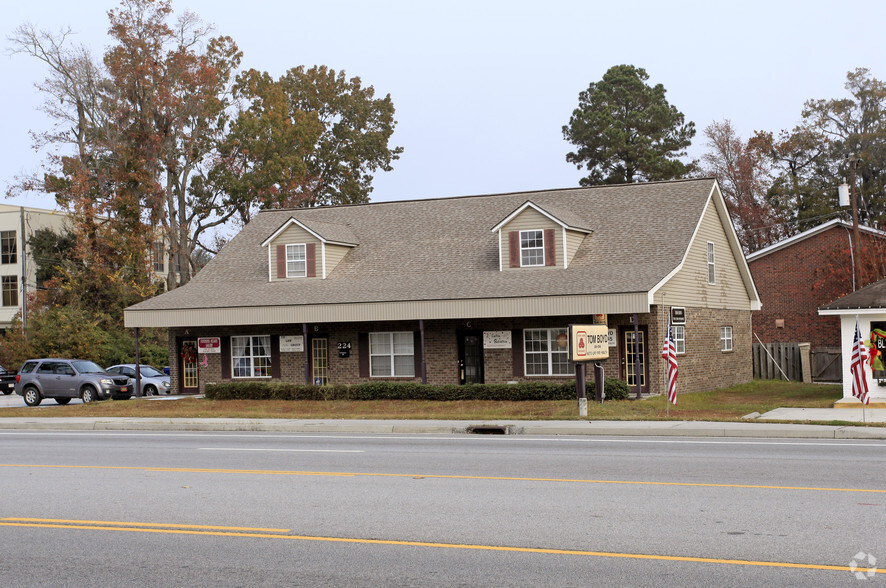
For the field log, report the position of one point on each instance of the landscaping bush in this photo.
(383, 390)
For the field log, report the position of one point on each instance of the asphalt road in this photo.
(248, 509)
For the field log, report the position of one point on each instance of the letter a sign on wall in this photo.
(588, 342)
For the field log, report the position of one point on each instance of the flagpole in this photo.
(665, 365)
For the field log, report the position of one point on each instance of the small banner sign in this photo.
(209, 345)
(292, 343)
(496, 339)
(588, 342)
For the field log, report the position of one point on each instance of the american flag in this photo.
(856, 367)
(669, 353)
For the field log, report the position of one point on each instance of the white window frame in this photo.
(393, 350)
(293, 262)
(8, 247)
(157, 255)
(535, 252)
(252, 364)
(9, 291)
(726, 338)
(548, 349)
(679, 338)
(712, 267)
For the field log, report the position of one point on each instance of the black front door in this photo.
(470, 357)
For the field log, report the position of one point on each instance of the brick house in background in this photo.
(798, 275)
(468, 289)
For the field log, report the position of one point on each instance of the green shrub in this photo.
(383, 390)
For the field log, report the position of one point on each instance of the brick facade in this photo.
(793, 282)
(702, 367)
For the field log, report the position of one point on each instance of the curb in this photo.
(418, 427)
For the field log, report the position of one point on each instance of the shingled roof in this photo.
(870, 298)
(443, 249)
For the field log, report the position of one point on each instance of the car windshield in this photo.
(151, 372)
(87, 367)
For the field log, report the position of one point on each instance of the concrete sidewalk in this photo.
(446, 427)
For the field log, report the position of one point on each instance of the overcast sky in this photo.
(483, 88)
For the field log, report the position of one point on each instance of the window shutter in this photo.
(550, 248)
(363, 354)
(281, 261)
(226, 358)
(275, 356)
(416, 350)
(517, 352)
(514, 248)
(311, 260)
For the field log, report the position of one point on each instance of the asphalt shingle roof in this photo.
(443, 249)
(871, 296)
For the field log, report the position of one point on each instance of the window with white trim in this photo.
(542, 353)
(679, 338)
(10, 290)
(8, 247)
(712, 273)
(296, 261)
(725, 338)
(392, 354)
(157, 254)
(532, 248)
(251, 356)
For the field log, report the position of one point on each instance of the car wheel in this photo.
(7, 392)
(32, 396)
(88, 394)
(63, 400)
(150, 390)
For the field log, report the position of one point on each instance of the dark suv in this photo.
(63, 379)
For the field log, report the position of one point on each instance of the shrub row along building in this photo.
(469, 289)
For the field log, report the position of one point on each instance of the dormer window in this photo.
(296, 261)
(532, 248)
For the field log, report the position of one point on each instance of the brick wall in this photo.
(794, 281)
(703, 367)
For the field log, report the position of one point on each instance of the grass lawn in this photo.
(717, 405)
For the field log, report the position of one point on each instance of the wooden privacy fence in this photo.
(827, 364)
(780, 355)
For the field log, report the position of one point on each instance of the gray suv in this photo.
(63, 379)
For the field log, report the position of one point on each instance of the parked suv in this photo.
(63, 379)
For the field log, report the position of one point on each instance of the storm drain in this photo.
(488, 429)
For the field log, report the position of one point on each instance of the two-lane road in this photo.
(344, 510)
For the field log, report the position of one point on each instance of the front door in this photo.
(634, 367)
(470, 357)
(188, 362)
(320, 361)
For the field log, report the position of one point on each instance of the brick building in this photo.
(469, 289)
(798, 275)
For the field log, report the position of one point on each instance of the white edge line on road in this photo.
(454, 437)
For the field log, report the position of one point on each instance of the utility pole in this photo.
(856, 269)
(24, 253)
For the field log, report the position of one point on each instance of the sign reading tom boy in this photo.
(588, 342)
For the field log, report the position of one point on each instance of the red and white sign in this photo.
(209, 345)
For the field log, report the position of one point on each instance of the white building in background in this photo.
(18, 269)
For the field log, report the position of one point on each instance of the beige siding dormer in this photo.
(295, 235)
(574, 239)
(316, 256)
(531, 220)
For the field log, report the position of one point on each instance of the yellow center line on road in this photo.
(67, 522)
(192, 530)
(445, 477)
